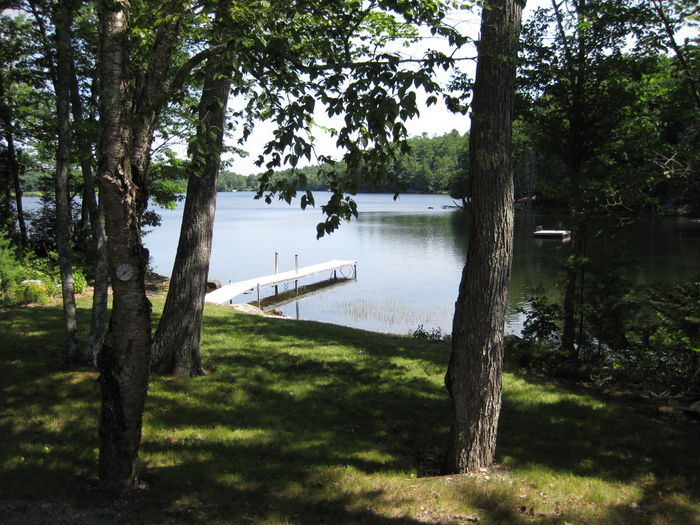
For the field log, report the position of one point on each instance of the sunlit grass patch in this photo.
(302, 422)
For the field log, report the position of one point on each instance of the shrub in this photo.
(25, 280)
(539, 348)
(432, 334)
(32, 291)
(10, 270)
(79, 281)
(541, 318)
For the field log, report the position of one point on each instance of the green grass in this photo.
(302, 422)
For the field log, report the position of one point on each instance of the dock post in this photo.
(277, 268)
(296, 270)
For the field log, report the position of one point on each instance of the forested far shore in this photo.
(438, 164)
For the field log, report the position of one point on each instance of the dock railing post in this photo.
(296, 270)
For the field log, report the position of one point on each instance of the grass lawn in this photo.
(302, 422)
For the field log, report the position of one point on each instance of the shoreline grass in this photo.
(304, 422)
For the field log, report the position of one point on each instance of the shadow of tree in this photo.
(596, 439)
(302, 422)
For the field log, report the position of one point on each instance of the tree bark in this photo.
(124, 360)
(573, 289)
(127, 127)
(473, 377)
(98, 314)
(176, 346)
(19, 209)
(62, 16)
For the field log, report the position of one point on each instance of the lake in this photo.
(410, 255)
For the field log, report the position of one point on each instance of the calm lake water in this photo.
(410, 255)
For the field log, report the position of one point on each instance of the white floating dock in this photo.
(227, 292)
(541, 233)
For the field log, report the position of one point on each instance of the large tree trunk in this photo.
(124, 360)
(62, 21)
(126, 134)
(177, 340)
(474, 375)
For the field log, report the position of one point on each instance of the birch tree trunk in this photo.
(127, 126)
(473, 377)
(124, 360)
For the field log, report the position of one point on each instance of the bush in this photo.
(539, 347)
(433, 334)
(32, 291)
(646, 339)
(541, 318)
(673, 335)
(25, 280)
(10, 270)
(79, 281)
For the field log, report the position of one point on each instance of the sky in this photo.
(434, 121)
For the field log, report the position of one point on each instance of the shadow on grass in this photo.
(313, 423)
(581, 436)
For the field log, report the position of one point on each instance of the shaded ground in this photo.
(304, 422)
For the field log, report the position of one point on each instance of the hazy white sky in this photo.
(435, 120)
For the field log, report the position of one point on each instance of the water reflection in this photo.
(411, 253)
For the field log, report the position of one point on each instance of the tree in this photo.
(284, 70)
(17, 73)
(123, 362)
(84, 137)
(136, 82)
(129, 112)
(578, 64)
(9, 174)
(670, 15)
(473, 377)
(459, 185)
(176, 343)
(63, 17)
